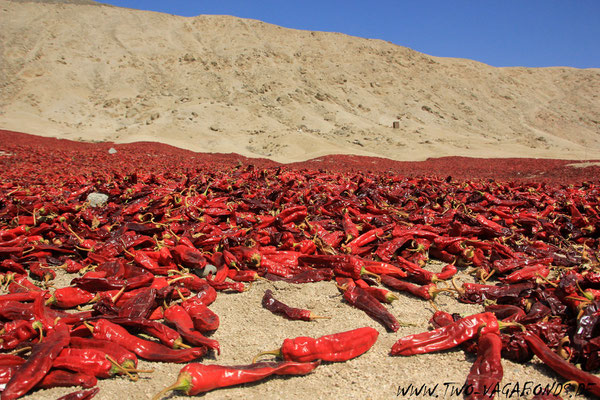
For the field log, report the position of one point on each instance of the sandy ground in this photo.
(247, 329)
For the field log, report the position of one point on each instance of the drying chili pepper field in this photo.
(142, 271)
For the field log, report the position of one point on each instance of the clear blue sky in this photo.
(531, 33)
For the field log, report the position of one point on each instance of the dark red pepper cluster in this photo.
(175, 231)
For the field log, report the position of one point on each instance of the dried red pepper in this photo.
(486, 372)
(38, 364)
(341, 346)
(277, 307)
(361, 299)
(199, 378)
(145, 349)
(446, 337)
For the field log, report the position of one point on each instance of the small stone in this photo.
(112, 150)
(97, 199)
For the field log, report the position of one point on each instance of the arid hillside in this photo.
(81, 70)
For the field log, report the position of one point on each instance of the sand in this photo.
(91, 72)
(247, 329)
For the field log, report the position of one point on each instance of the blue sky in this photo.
(530, 33)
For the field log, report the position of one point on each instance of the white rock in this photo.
(97, 199)
(112, 150)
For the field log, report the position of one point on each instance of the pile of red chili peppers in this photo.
(173, 234)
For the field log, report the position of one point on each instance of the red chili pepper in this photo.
(243, 275)
(477, 293)
(227, 285)
(386, 250)
(486, 372)
(199, 378)
(341, 346)
(491, 227)
(89, 361)
(145, 349)
(531, 272)
(8, 366)
(177, 316)
(11, 265)
(426, 292)
(277, 307)
(144, 260)
(380, 268)
(139, 305)
(69, 297)
(383, 295)
(562, 367)
(205, 296)
(441, 318)
(38, 364)
(275, 268)
(120, 354)
(364, 239)
(446, 337)
(204, 319)
(359, 298)
(350, 228)
(189, 256)
(60, 378)
(415, 272)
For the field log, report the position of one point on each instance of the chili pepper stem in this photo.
(561, 351)
(435, 292)
(504, 325)
(178, 344)
(276, 353)
(179, 278)
(458, 290)
(21, 350)
(181, 296)
(435, 307)
(118, 294)
(37, 325)
(365, 272)
(312, 316)
(89, 326)
(484, 278)
(183, 384)
(543, 278)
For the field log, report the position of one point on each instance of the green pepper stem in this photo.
(184, 383)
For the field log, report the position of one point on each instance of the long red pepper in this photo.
(426, 292)
(341, 346)
(38, 364)
(199, 378)
(145, 349)
(277, 307)
(561, 366)
(178, 316)
(446, 337)
(359, 298)
(486, 372)
(60, 378)
(120, 354)
(90, 361)
(69, 297)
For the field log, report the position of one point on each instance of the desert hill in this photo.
(81, 70)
